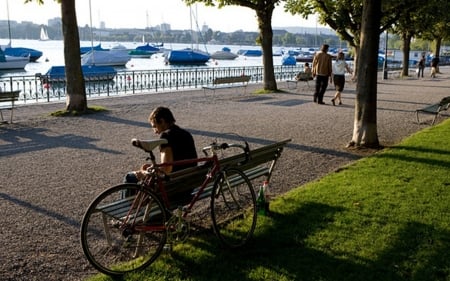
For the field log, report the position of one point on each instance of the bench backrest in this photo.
(234, 79)
(445, 102)
(9, 96)
(184, 181)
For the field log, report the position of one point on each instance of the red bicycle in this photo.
(127, 226)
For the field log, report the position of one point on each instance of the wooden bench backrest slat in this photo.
(229, 80)
(9, 96)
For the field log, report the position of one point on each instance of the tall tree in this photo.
(414, 21)
(264, 11)
(345, 17)
(365, 122)
(437, 19)
(76, 92)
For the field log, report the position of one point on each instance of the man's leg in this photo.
(317, 90)
(323, 88)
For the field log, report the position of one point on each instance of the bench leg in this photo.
(417, 117)
(434, 119)
(12, 112)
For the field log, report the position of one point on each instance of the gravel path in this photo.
(53, 167)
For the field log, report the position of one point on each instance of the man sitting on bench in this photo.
(304, 75)
(180, 144)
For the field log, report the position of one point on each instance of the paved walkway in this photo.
(51, 168)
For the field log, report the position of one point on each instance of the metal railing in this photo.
(35, 89)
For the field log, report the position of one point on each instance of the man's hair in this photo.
(325, 48)
(160, 113)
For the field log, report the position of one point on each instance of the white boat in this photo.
(43, 36)
(10, 62)
(112, 57)
(224, 54)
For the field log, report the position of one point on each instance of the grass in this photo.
(384, 217)
(89, 110)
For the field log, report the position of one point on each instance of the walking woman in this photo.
(339, 68)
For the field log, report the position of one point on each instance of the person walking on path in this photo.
(421, 66)
(434, 66)
(339, 69)
(321, 70)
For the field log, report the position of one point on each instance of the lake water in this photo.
(53, 55)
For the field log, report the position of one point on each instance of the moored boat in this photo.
(106, 58)
(98, 47)
(288, 60)
(144, 51)
(252, 53)
(187, 57)
(33, 54)
(224, 54)
(90, 73)
(11, 62)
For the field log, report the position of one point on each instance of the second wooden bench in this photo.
(228, 82)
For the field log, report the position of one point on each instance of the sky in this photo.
(147, 13)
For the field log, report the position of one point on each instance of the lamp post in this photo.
(385, 73)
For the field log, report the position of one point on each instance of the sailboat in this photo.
(32, 54)
(116, 56)
(43, 35)
(189, 56)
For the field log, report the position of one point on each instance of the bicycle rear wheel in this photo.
(123, 233)
(233, 208)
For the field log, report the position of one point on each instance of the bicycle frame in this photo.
(155, 169)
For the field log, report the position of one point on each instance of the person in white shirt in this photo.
(339, 69)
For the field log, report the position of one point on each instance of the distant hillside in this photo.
(307, 30)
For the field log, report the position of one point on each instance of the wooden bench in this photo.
(183, 185)
(301, 77)
(7, 100)
(434, 109)
(228, 82)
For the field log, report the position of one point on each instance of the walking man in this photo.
(321, 70)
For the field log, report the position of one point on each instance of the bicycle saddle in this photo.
(148, 145)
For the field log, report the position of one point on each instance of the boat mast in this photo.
(9, 24)
(92, 33)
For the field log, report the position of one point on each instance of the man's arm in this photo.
(166, 156)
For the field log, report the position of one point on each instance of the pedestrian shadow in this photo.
(40, 210)
(19, 140)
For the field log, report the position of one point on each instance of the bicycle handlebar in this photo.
(215, 147)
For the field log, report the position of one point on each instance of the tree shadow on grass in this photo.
(418, 252)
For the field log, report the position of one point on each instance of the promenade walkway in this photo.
(51, 168)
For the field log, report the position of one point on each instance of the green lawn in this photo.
(385, 217)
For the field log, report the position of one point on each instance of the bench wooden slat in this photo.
(7, 100)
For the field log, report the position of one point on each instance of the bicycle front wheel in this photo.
(233, 208)
(123, 229)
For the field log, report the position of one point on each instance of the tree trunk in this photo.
(76, 92)
(365, 123)
(266, 39)
(438, 42)
(406, 38)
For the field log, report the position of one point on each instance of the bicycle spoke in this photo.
(233, 208)
(123, 234)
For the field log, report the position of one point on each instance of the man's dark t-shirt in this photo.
(182, 144)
